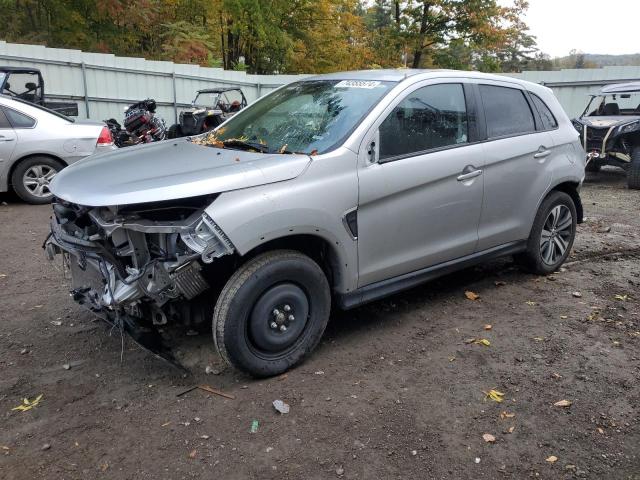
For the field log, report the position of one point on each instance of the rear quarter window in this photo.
(4, 123)
(19, 120)
(549, 122)
(507, 111)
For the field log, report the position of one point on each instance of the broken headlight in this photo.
(208, 240)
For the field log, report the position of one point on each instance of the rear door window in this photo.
(19, 120)
(430, 117)
(548, 120)
(507, 111)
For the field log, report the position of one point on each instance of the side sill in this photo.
(384, 288)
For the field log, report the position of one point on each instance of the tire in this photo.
(633, 172)
(30, 179)
(174, 131)
(247, 331)
(546, 256)
(592, 166)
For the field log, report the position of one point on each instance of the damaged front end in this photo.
(141, 266)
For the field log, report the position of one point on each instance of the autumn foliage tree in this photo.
(283, 36)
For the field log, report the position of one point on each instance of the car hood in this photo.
(169, 170)
(606, 122)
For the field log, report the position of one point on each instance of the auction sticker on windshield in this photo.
(357, 84)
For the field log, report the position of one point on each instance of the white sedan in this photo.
(36, 143)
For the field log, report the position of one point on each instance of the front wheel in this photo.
(633, 172)
(271, 313)
(552, 235)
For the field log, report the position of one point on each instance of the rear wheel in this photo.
(552, 235)
(271, 313)
(633, 173)
(31, 179)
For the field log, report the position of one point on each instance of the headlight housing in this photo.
(630, 127)
(208, 239)
(578, 126)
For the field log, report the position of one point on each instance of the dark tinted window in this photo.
(19, 120)
(506, 110)
(4, 123)
(548, 120)
(431, 117)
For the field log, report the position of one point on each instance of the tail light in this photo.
(105, 137)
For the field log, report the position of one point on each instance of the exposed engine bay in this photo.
(141, 265)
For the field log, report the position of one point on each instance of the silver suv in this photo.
(340, 188)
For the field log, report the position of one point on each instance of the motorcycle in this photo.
(141, 125)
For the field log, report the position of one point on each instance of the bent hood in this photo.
(169, 170)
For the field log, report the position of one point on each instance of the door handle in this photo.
(5, 139)
(469, 175)
(542, 153)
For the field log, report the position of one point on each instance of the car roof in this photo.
(630, 87)
(218, 90)
(6, 68)
(400, 74)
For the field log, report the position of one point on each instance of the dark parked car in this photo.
(610, 130)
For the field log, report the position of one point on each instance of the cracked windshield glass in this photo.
(309, 117)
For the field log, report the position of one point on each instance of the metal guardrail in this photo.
(87, 99)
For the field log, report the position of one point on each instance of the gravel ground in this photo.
(395, 390)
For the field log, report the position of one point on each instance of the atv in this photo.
(610, 130)
(209, 109)
(27, 84)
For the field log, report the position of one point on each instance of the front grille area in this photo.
(595, 137)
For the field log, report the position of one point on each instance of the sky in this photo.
(590, 26)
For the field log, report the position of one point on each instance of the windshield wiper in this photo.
(244, 145)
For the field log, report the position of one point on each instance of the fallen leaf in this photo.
(193, 454)
(452, 359)
(471, 295)
(499, 283)
(165, 424)
(563, 317)
(4, 447)
(488, 326)
(487, 437)
(600, 431)
(557, 375)
(511, 429)
(504, 415)
(621, 297)
(28, 404)
(104, 467)
(470, 340)
(529, 302)
(562, 403)
(538, 339)
(577, 294)
(494, 395)
(482, 341)
(552, 459)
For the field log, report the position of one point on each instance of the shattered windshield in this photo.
(305, 117)
(614, 104)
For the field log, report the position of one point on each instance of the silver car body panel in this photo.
(51, 136)
(412, 213)
(170, 170)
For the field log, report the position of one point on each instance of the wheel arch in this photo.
(315, 246)
(572, 189)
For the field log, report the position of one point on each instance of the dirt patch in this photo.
(394, 391)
